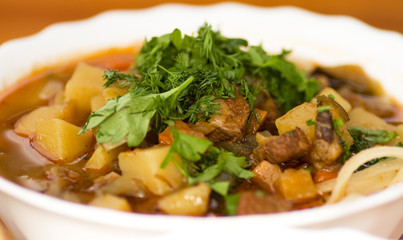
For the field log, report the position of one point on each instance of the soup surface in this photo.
(199, 125)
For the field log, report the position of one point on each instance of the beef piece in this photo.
(230, 124)
(265, 102)
(255, 202)
(257, 121)
(326, 146)
(288, 146)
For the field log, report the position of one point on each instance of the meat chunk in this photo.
(256, 122)
(326, 146)
(265, 102)
(229, 124)
(252, 202)
(288, 146)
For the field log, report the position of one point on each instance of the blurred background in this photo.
(19, 18)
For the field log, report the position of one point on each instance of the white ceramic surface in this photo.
(328, 40)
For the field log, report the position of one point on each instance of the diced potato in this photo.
(68, 108)
(58, 140)
(27, 125)
(101, 159)
(359, 117)
(191, 200)
(296, 185)
(86, 82)
(97, 102)
(69, 112)
(125, 185)
(328, 91)
(266, 175)
(298, 117)
(114, 92)
(145, 165)
(111, 201)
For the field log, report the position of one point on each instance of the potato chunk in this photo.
(97, 102)
(58, 140)
(86, 82)
(145, 165)
(359, 117)
(101, 159)
(266, 175)
(298, 117)
(328, 91)
(296, 185)
(111, 201)
(27, 125)
(191, 200)
(114, 92)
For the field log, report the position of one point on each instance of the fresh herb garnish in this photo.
(323, 109)
(367, 138)
(202, 162)
(331, 96)
(310, 122)
(217, 66)
(337, 123)
(231, 203)
(129, 116)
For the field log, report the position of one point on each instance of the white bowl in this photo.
(328, 40)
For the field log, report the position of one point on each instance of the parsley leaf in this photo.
(289, 86)
(218, 67)
(310, 122)
(202, 162)
(129, 116)
(323, 109)
(231, 203)
(367, 138)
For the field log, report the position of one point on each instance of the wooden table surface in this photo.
(24, 17)
(20, 18)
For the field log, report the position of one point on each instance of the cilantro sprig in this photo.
(367, 138)
(129, 116)
(202, 162)
(217, 66)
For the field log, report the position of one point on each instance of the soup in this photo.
(200, 125)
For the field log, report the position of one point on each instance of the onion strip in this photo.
(356, 161)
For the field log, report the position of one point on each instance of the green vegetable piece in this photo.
(128, 116)
(210, 160)
(323, 109)
(310, 122)
(217, 66)
(231, 203)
